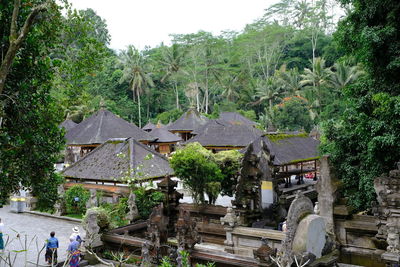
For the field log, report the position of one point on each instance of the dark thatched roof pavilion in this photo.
(236, 118)
(221, 135)
(187, 123)
(289, 148)
(102, 126)
(67, 125)
(115, 158)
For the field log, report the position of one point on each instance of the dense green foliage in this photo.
(29, 137)
(76, 198)
(146, 200)
(199, 172)
(251, 71)
(365, 141)
(292, 115)
(229, 162)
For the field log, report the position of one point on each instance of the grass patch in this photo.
(75, 216)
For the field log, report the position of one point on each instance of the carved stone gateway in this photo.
(387, 188)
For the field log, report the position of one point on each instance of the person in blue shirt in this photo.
(73, 252)
(51, 249)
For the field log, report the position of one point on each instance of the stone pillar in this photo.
(327, 188)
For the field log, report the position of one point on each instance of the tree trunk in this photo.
(139, 106)
(16, 39)
(177, 97)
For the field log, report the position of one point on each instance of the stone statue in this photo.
(186, 230)
(92, 229)
(393, 239)
(60, 203)
(133, 213)
(92, 202)
(230, 218)
(146, 246)
(264, 253)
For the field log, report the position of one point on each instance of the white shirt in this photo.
(1, 227)
(74, 236)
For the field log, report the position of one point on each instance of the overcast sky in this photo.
(149, 22)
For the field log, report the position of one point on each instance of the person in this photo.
(1, 235)
(51, 249)
(76, 235)
(73, 252)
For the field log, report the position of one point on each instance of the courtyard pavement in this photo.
(37, 228)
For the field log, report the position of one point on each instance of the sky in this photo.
(149, 22)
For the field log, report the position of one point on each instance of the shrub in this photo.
(103, 218)
(198, 170)
(76, 198)
(146, 200)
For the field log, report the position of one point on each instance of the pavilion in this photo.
(218, 135)
(236, 118)
(164, 141)
(100, 127)
(187, 123)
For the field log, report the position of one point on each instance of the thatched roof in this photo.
(102, 126)
(236, 118)
(149, 127)
(67, 125)
(189, 121)
(220, 133)
(288, 148)
(162, 135)
(113, 160)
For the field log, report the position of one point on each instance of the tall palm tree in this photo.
(134, 71)
(267, 90)
(344, 75)
(291, 81)
(172, 60)
(317, 81)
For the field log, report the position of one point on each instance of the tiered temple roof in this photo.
(102, 126)
(222, 134)
(188, 122)
(115, 158)
(236, 118)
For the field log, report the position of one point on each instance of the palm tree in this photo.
(172, 60)
(134, 71)
(267, 90)
(344, 75)
(317, 81)
(291, 81)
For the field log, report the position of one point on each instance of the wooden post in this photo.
(315, 168)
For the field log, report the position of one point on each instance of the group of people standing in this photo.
(73, 248)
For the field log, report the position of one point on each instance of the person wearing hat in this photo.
(76, 235)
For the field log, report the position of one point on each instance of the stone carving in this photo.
(146, 246)
(60, 203)
(92, 229)
(230, 218)
(387, 211)
(300, 207)
(133, 213)
(264, 253)
(186, 231)
(393, 239)
(157, 234)
(256, 167)
(92, 202)
(327, 188)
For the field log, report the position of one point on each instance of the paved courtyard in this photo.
(37, 227)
